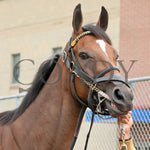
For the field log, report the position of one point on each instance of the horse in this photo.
(84, 76)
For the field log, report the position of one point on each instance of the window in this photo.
(57, 50)
(15, 69)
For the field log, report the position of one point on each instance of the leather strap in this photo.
(78, 127)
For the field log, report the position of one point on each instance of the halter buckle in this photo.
(71, 65)
(64, 57)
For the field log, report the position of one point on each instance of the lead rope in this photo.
(88, 135)
(122, 131)
(78, 127)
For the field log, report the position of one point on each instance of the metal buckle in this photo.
(64, 57)
(71, 65)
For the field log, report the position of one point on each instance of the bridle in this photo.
(75, 70)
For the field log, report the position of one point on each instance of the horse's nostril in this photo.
(122, 98)
(118, 94)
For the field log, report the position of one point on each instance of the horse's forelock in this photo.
(98, 32)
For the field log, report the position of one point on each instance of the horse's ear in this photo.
(77, 19)
(103, 19)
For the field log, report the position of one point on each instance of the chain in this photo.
(122, 131)
(93, 87)
(100, 94)
(98, 108)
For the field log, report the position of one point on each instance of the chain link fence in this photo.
(141, 113)
(105, 133)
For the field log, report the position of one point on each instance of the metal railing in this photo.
(17, 98)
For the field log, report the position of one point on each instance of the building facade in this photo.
(35, 29)
(134, 36)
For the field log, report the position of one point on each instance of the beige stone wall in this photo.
(34, 27)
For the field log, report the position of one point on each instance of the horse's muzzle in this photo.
(122, 98)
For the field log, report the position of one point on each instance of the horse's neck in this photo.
(51, 119)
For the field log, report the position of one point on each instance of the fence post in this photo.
(17, 101)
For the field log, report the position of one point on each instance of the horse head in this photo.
(94, 78)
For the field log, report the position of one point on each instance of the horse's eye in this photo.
(83, 55)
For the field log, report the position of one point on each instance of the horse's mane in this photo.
(97, 31)
(42, 75)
